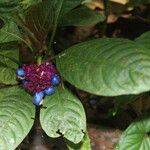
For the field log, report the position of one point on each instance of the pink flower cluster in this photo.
(38, 77)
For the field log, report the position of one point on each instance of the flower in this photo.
(38, 77)
(39, 80)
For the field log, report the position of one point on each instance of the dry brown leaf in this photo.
(120, 1)
(95, 4)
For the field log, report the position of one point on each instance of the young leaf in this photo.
(16, 111)
(43, 16)
(81, 16)
(83, 145)
(8, 63)
(64, 115)
(144, 39)
(108, 67)
(136, 136)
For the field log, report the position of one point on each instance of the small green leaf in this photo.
(64, 114)
(126, 99)
(81, 16)
(16, 111)
(9, 55)
(108, 67)
(121, 102)
(136, 136)
(83, 145)
(144, 39)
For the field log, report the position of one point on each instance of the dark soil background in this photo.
(104, 129)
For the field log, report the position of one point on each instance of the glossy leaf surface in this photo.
(16, 110)
(64, 115)
(144, 39)
(136, 136)
(9, 56)
(108, 67)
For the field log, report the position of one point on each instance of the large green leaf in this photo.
(81, 16)
(7, 75)
(10, 6)
(144, 39)
(10, 50)
(8, 63)
(65, 115)
(83, 145)
(136, 136)
(107, 67)
(16, 111)
(9, 32)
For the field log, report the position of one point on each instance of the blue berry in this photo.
(49, 91)
(38, 98)
(55, 80)
(20, 72)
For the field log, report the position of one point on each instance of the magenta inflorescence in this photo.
(39, 80)
(38, 77)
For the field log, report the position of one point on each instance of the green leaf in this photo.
(9, 32)
(11, 6)
(81, 16)
(7, 75)
(42, 17)
(138, 2)
(136, 135)
(144, 39)
(10, 50)
(69, 5)
(16, 110)
(83, 145)
(9, 55)
(108, 67)
(64, 114)
(121, 102)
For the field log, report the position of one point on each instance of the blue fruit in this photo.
(49, 91)
(55, 80)
(20, 72)
(38, 98)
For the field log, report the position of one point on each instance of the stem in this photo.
(55, 25)
(39, 60)
(106, 7)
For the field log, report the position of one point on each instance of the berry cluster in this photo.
(39, 80)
